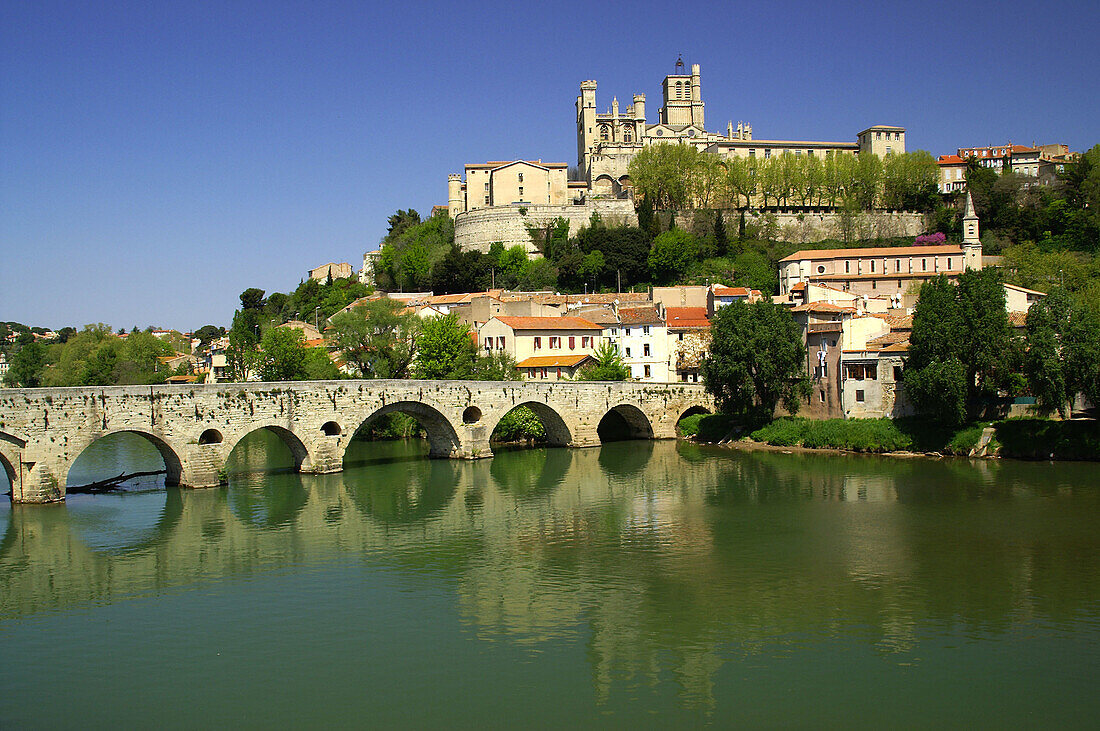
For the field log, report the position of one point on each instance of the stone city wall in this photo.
(479, 229)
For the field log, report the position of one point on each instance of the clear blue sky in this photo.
(158, 158)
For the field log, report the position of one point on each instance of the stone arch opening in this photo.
(603, 185)
(257, 459)
(123, 461)
(331, 429)
(211, 436)
(555, 432)
(7, 473)
(624, 422)
(442, 438)
(471, 415)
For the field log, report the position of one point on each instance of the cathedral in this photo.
(607, 142)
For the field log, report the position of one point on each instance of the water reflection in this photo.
(665, 560)
(399, 486)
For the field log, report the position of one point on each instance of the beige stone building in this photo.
(893, 272)
(343, 270)
(518, 183)
(552, 348)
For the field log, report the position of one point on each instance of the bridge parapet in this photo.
(196, 427)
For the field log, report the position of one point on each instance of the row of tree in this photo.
(964, 356)
(679, 176)
(95, 356)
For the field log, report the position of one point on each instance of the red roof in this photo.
(553, 361)
(875, 251)
(686, 317)
(822, 307)
(549, 323)
(724, 291)
(950, 160)
(639, 315)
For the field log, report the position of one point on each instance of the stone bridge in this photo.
(196, 427)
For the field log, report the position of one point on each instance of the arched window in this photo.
(605, 132)
(628, 136)
(679, 90)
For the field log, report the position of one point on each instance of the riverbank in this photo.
(1016, 438)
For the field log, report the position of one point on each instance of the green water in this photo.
(638, 584)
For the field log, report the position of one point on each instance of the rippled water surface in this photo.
(635, 584)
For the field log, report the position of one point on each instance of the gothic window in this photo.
(605, 133)
(628, 136)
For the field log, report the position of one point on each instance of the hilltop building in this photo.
(501, 201)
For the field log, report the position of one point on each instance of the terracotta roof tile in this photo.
(874, 251)
(553, 361)
(686, 317)
(549, 323)
(639, 315)
(822, 307)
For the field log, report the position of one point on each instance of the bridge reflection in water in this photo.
(664, 558)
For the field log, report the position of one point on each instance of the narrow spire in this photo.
(970, 213)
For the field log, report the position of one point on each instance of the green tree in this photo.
(495, 366)
(756, 360)
(959, 347)
(444, 349)
(754, 270)
(672, 254)
(27, 366)
(609, 365)
(668, 174)
(721, 238)
(1063, 351)
(376, 339)
(282, 355)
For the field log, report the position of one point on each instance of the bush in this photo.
(706, 427)
(519, 424)
(1043, 439)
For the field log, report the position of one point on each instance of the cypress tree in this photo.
(721, 240)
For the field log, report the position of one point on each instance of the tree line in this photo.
(679, 176)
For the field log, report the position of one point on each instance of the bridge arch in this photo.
(173, 464)
(622, 422)
(557, 431)
(298, 450)
(443, 440)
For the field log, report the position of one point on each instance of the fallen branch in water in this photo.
(111, 484)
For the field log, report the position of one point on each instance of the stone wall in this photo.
(808, 226)
(478, 230)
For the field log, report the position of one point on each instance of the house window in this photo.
(521, 178)
(544, 373)
(521, 191)
(767, 153)
(486, 200)
(888, 149)
(822, 394)
(645, 350)
(949, 262)
(555, 342)
(810, 153)
(585, 340)
(538, 343)
(572, 342)
(847, 267)
(859, 396)
(559, 374)
(486, 187)
(628, 352)
(679, 336)
(872, 265)
(752, 154)
(614, 332)
(897, 374)
(628, 332)
(897, 265)
(488, 343)
(874, 284)
(645, 330)
(647, 373)
(924, 265)
(500, 342)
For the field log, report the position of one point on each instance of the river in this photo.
(637, 584)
